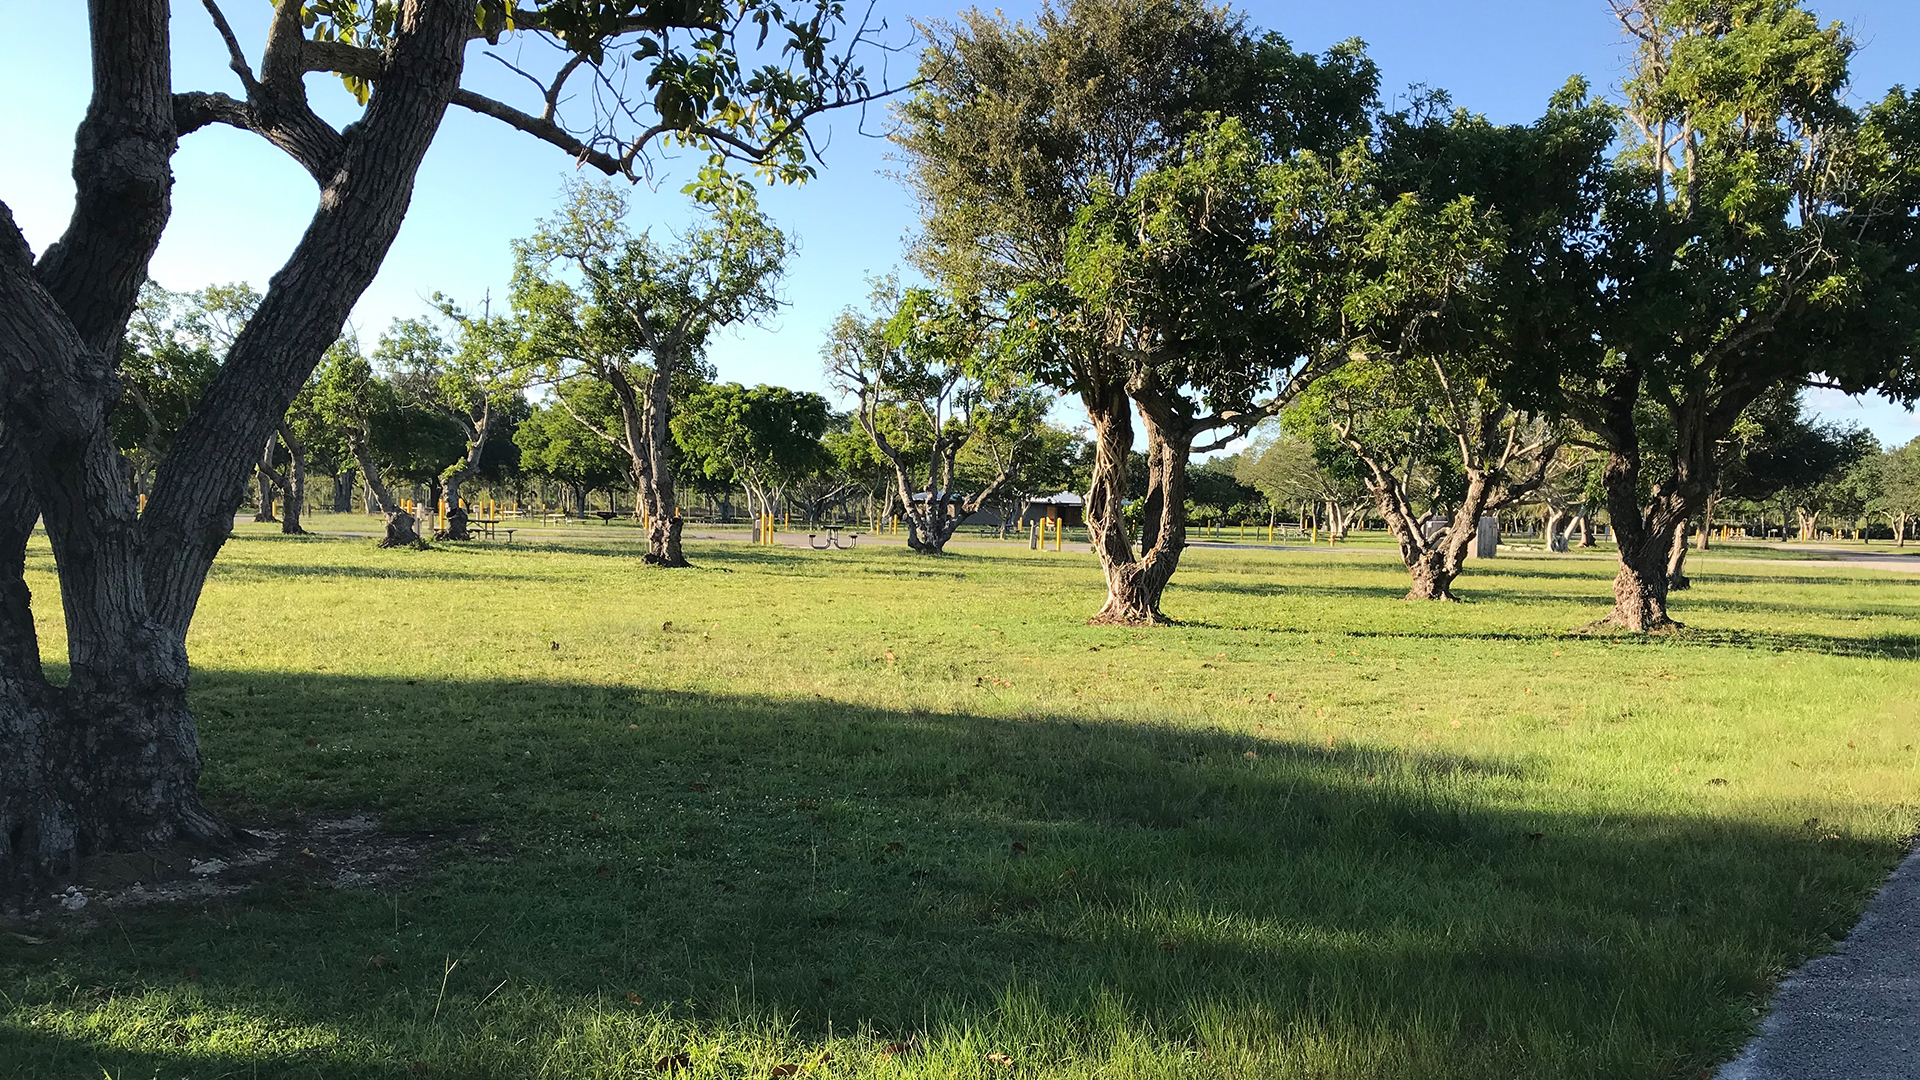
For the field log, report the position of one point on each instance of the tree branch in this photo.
(542, 129)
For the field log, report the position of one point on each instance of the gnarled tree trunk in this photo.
(1135, 585)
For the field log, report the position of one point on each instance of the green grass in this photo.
(852, 798)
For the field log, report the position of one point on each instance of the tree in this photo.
(1755, 232)
(1098, 179)
(636, 296)
(922, 371)
(762, 438)
(1777, 451)
(1303, 469)
(555, 445)
(168, 358)
(109, 760)
(1432, 438)
(1037, 457)
(351, 399)
(1898, 489)
(468, 374)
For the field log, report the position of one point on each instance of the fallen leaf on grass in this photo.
(1005, 1061)
(1718, 781)
(633, 997)
(898, 1049)
(1251, 756)
(787, 1069)
(674, 1062)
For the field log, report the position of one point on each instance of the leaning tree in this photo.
(110, 758)
(593, 299)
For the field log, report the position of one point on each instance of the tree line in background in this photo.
(1609, 314)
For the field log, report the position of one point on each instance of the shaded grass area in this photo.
(821, 803)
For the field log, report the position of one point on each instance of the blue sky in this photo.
(240, 204)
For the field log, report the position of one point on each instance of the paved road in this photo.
(1853, 1015)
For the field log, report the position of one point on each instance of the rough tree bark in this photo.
(110, 761)
(1134, 584)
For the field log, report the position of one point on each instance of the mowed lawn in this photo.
(798, 809)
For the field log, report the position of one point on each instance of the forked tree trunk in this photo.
(1134, 585)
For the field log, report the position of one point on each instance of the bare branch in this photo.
(542, 129)
(236, 59)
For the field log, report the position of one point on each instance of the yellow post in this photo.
(1059, 533)
(143, 502)
(1316, 531)
(1269, 531)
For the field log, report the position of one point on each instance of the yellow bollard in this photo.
(1316, 531)
(1059, 533)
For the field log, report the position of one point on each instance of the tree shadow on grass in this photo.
(1065, 889)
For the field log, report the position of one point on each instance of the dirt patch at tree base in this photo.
(325, 853)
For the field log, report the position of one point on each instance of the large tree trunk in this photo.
(1649, 539)
(343, 482)
(1134, 585)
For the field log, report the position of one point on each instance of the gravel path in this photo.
(1856, 1013)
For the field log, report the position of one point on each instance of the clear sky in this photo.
(240, 204)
